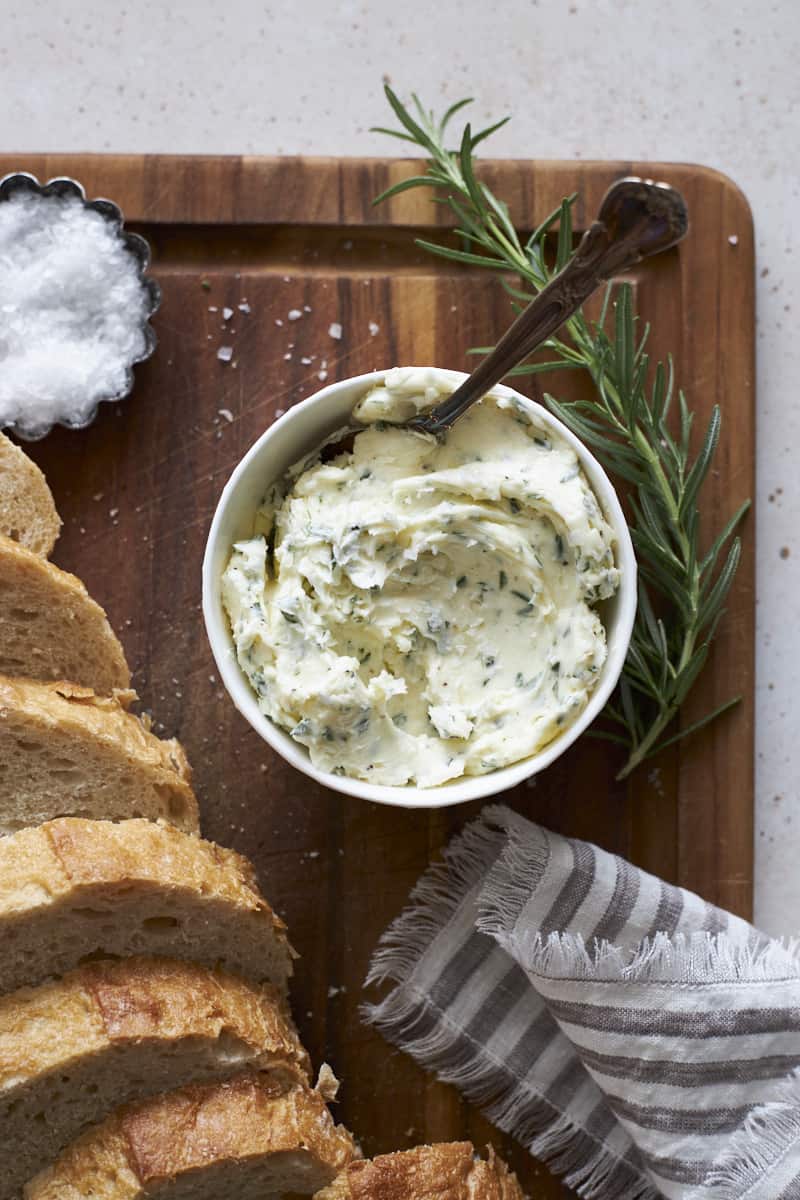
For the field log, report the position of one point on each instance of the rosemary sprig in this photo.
(629, 424)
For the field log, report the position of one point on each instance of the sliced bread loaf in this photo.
(237, 1140)
(73, 889)
(66, 752)
(110, 1032)
(50, 628)
(449, 1171)
(27, 512)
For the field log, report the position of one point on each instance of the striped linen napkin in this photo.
(640, 1041)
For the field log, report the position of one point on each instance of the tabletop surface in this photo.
(711, 81)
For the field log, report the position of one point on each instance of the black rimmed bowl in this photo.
(22, 182)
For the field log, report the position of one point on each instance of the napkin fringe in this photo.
(697, 958)
(770, 1132)
(434, 901)
(516, 873)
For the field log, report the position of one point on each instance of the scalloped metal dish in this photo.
(22, 181)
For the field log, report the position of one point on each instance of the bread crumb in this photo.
(327, 1083)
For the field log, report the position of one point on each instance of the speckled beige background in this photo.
(712, 81)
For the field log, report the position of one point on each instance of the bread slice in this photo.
(111, 1032)
(50, 628)
(449, 1171)
(27, 512)
(236, 1140)
(66, 752)
(74, 889)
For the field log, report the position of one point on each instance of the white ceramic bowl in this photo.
(295, 434)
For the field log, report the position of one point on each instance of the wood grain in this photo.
(138, 489)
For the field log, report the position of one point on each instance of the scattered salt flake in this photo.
(226, 413)
(286, 278)
(287, 356)
(733, 240)
(313, 854)
(306, 308)
(306, 361)
(322, 375)
(335, 331)
(213, 308)
(113, 512)
(374, 328)
(655, 780)
(335, 991)
(279, 412)
(97, 496)
(244, 307)
(227, 313)
(294, 314)
(278, 321)
(225, 353)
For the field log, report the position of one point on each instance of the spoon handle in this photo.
(637, 218)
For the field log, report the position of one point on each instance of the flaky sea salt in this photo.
(335, 331)
(225, 353)
(374, 328)
(227, 313)
(74, 312)
(294, 314)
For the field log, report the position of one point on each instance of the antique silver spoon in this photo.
(637, 218)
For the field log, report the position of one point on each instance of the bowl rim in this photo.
(465, 788)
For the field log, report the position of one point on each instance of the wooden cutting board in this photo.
(137, 491)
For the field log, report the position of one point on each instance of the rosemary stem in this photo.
(649, 742)
(682, 594)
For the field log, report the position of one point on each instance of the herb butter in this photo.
(427, 609)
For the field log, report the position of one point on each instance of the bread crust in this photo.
(51, 628)
(448, 1171)
(27, 511)
(53, 873)
(147, 1145)
(67, 710)
(129, 852)
(103, 1004)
